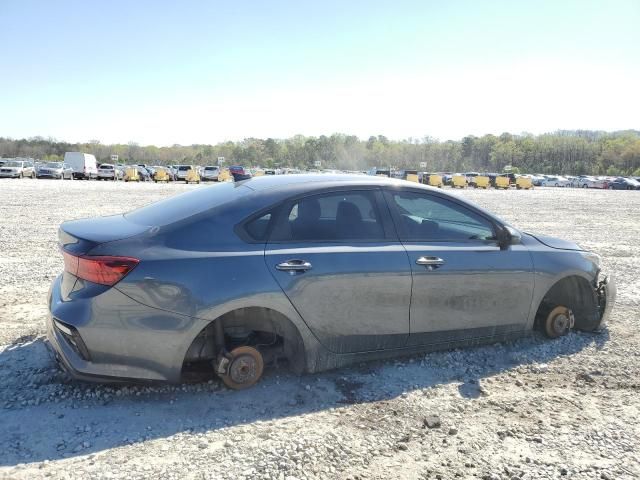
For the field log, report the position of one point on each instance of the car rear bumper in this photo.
(112, 342)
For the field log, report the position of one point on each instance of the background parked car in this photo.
(239, 173)
(587, 181)
(210, 172)
(18, 169)
(556, 182)
(181, 171)
(108, 171)
(145, 173)
(622, 183)
(537, 180)
(57, 170)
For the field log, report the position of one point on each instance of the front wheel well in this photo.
(577, 294)
(268, 330)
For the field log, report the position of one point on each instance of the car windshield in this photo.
(106, 167)
(191, 203)
(184, 167)
(210, 168)
(13, 164)
(53, 165)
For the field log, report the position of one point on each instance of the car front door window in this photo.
(431, 218)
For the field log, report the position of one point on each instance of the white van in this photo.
(83, 164)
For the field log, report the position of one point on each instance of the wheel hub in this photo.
(560, 322)
(243, 369)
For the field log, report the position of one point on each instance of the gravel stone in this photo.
(537, 407)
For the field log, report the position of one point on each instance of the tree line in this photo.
(562, 152)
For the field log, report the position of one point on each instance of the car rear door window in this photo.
(258, 227)
(424, 217)
(332, 217)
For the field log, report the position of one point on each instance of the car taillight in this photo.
(105, 270)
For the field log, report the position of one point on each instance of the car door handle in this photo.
(294, 266)
(430, 262)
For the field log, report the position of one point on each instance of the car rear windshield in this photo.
(210, 168)
(187, 204)
(184, 167)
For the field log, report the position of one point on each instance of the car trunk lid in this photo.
(80, 236)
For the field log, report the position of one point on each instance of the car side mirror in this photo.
(509, 236)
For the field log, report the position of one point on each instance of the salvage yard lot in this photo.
(527, 409)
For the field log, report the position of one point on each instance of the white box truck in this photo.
(83, 164)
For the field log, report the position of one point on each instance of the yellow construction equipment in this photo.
(131, 174)
(524, 183)
(161, 175)
(459, 181)
(192, 176)
(435, 180)
(224, 175)
(412, 177)
(502, 182)
(482, 181)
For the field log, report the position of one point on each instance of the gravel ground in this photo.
(530, 409)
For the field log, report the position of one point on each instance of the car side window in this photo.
(426, 217)
(333, 217)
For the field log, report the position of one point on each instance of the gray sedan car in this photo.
(319, 271)
(57, 170)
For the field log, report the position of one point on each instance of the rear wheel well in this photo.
(268, 330)
(577, 294)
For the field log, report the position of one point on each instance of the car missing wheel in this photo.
(316, 271)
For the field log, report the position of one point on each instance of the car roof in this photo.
(275, 181)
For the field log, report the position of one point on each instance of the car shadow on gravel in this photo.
(46, 416)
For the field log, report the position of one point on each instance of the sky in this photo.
(185, 72)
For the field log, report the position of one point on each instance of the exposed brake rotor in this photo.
(244, 368)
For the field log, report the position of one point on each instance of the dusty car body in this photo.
(322, 271)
